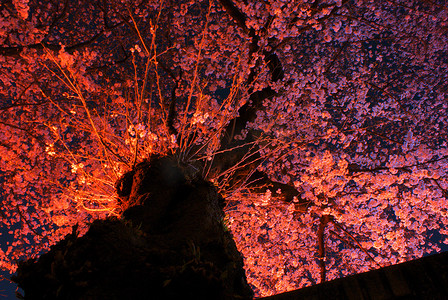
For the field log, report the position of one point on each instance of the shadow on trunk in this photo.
(171, 243)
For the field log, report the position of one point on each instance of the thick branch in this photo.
(235, 14)
(248, 113)
(172, 110)
(16, 50)
(357, 243)
(324, 220)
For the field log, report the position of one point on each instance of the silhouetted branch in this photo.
(324, 220)
(235, 14)
(27, 222)
(172, 110)
(356, 241)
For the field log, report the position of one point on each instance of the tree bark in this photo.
(171, 243)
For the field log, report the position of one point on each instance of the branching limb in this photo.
(27, 222)
(356, 242)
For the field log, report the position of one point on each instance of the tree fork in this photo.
(248, 113)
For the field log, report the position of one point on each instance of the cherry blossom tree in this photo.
(322, 123)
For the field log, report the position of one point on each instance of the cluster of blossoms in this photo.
(356, 122)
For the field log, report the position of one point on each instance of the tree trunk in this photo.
(171, 243)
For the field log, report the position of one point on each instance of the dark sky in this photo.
(7, 289)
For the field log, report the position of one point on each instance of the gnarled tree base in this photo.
(170, 244)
